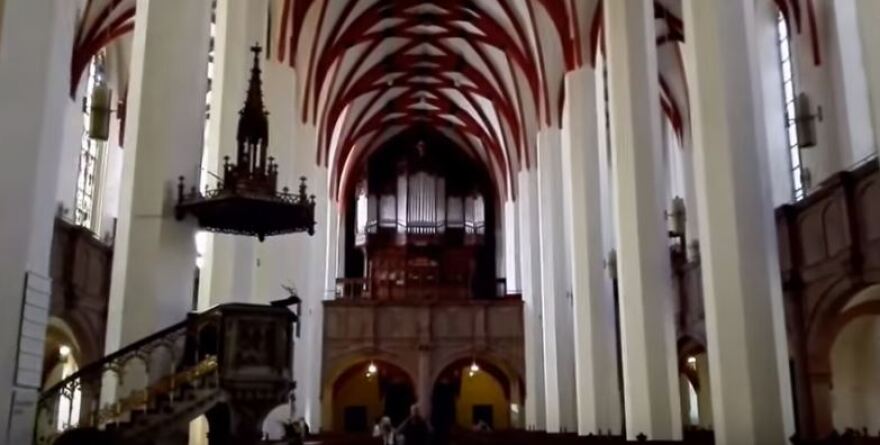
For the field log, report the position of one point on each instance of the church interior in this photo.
(475, 222)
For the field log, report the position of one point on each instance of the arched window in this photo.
(786, 61)
(91, 157)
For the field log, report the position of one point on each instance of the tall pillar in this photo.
(229, 260)
(850, 84)
(704, 395)
(154, 256)
(868, 12)
(532, 309)
(555, 288)
(650, 372)
(424, 390)
(598, 402)
(745, 324)
(511, 246)
(35, 42)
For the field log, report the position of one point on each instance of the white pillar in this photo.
(868, 12)
(35, 42)
(649, 355)
(555, 288)
(511, 246)
(154, 257)
(745, 325)
(229, 260)
(850, 84)
(598, 401)
(530, 246)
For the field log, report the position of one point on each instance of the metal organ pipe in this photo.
(440, 205)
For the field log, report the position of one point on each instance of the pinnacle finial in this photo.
(256, 49)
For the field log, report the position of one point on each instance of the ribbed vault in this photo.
(488, 74)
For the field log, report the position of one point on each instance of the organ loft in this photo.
(445, 222)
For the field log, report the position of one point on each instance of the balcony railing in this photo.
(361, 289)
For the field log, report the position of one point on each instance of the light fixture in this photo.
(677, 217)
(64, 351)
(372, 369)
(805, 121)
(611, 264)
(692, 361)
(100, 111)
(474, 367)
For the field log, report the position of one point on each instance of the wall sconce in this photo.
(677, 217)
(805, 121)
(100, 111)
(611, 264)
(806, 178)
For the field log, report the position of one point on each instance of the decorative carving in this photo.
(248, 202)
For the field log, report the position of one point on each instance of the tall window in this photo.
(788, 92)
(90, 157)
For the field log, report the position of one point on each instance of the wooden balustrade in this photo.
(360, 289)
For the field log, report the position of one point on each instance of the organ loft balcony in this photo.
(422, 307)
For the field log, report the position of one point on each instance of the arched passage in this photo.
(695, 392)
(470, 391)
(367, 391)
(855, 375)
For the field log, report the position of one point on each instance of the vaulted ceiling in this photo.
(487, 73)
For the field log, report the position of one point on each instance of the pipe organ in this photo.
(420, 206)
(420, 224)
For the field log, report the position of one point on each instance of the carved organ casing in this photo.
(421, 224)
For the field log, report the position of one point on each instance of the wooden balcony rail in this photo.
(361, 289)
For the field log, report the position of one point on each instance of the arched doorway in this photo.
(368, 391)
(469, 392)
(855, 375)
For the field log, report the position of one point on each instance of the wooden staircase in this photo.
(236, 358)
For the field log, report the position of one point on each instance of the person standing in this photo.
(415, 429)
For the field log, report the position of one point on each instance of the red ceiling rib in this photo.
(479, 66)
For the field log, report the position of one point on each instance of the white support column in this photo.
(598, 401)
(868, 12)
(649, 354)
(154, 256)
(511, 246)
(229, 260)
(530, 247)
(745, 324)
(34, 78)
(555, 288)
(849, 82)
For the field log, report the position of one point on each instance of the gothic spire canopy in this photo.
(247, 201)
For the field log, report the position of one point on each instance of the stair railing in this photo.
(108, 390)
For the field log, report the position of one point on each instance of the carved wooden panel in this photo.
(348, 322)
(395, 322)
(452, 322)
(505, 322)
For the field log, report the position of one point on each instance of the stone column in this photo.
(850, 84)
(598, 402)
(555, 287)
(229, 260)
(650, 372)
(745, 325)
(704, 395)
(154, 257)
(530, 246)
(868, 12)
(511, 246)
(35, 42)
(425, 388)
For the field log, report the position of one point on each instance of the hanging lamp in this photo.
(247, 201)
